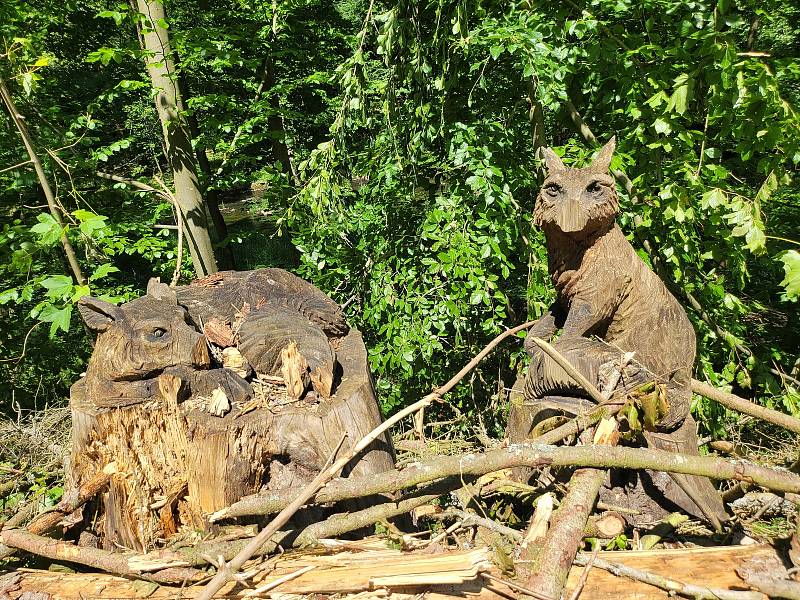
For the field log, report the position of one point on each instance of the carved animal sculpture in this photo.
(160, 333)
(604, 290)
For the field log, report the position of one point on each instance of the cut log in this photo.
(177, 463)
(605, 526)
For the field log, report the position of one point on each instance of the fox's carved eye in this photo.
(552, 189)
(594, 188)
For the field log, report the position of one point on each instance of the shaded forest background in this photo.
(386, 151)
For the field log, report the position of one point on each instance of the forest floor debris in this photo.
(466, 516)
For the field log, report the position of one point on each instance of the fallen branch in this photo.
(469, 519)
(774, 587)
(167, 569)
(746, 407)
(350, 521)
(553, 557)
(47, 521)
(227, 572)
(672, 586)
(529, 454)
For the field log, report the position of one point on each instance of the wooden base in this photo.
(177, 463)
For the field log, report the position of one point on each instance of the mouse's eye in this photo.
(552, 189)
(593, 188)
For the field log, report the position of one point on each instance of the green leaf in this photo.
(791, 267)
(89, 221)
(58, 286)
(57, 317)
(713, 198)
(47, 229)
(496, 51)
(7, 296)
(661, 126)
(102, 271)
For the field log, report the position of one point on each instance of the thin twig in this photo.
(590, 388)
(576, 593)
(17, 166)
(281, 580)
(516, 586)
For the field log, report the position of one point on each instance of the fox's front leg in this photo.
(545, 328)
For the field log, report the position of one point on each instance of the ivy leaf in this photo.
(791, 266)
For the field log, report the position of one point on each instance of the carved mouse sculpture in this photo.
(142, 339)
(160, 333)
(609, 301)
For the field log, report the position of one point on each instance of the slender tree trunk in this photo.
(69, 251)
(180, 154)
(212, 201)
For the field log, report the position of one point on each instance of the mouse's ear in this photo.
(603, 160)
(161, 291)
(552, 161)
(98, 315)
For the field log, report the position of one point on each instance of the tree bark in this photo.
(48, 192)
(177, 137)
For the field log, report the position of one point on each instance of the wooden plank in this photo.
(712, 567)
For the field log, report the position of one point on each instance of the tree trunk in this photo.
(178, 463)
(177, 137)
(212, 202)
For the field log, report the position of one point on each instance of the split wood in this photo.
(228, 570)
(664, 583)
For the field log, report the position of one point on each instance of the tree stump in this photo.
(192, 447)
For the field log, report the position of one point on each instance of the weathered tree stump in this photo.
(187, 439)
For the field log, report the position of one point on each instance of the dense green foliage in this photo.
(410, 128)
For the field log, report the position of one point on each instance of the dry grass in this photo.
(36, 439)
(33, 448)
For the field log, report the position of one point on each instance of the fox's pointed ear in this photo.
(552, 161)
(603, 160)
